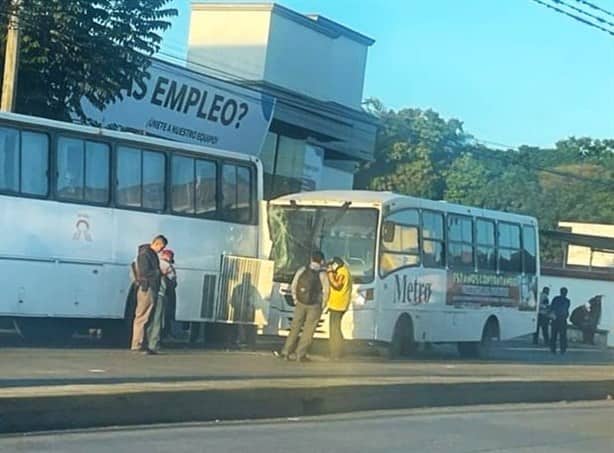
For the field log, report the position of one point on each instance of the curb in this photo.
(20, 414)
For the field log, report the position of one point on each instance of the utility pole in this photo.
(11, 59)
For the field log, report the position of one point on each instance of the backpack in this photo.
(309, 287)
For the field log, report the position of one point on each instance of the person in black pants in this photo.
(559, 309)
(542, 317)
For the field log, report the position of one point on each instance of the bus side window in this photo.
(83, 170)
(10, 150)
(485, 241)
(509, 248)
(529, 248)
(400, 245)
(24, 162)
(194, 186)
(237, 196)
(141, 178)
(433, 245)
(460, 241)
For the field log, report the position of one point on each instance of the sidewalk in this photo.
(43, 389)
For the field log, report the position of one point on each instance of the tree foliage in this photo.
(75, 49)
(420, 153)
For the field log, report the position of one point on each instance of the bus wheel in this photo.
(44, 330)
(402, 343)
(480, 349)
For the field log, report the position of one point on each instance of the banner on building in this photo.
(179, 104)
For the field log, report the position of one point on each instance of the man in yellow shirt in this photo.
(338, 302)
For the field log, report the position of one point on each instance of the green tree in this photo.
(75, 49)
(466, 181)
(413, 149)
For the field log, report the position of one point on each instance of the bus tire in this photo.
(47, 331)
(481, 349)
(402, 343)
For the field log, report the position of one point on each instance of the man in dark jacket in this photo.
(148, 280)
(559, 310)
(310, 290)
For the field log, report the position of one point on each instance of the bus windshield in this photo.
(349, 233)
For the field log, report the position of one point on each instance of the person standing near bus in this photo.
(310, 291)
(340, 281)
(559, 310)
(158, 318)
(542, 317)
(148, 280)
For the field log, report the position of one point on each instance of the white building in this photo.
(581, 255)
(313, 66)
(588, 268)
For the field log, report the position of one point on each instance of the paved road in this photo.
(545, 428)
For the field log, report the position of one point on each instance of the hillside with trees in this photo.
(422, 154)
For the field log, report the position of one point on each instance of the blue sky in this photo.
(513, 71)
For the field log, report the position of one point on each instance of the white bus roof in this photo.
(35, 121)
(393, 201)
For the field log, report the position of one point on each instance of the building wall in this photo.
(309, 62)
(264, 43)
(229, 41)
(335, 179)
(580, 291)
(581, 256)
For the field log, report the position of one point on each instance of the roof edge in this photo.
(315, 22)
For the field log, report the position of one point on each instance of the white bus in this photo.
(424, 271)
(75, 202)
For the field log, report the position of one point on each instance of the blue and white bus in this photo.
(76, 201)
(424, 271)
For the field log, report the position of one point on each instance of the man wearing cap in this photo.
(340, 281)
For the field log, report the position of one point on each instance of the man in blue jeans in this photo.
(559, 310)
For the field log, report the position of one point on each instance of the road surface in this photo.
(580, 427)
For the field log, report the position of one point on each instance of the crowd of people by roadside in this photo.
(553, 315)
(318, 287)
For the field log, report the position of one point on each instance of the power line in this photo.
(575, 17)
(595, 7)
(581, 11)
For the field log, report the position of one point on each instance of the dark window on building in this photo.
(529, 246)
(485, 245)
(24, 162)
(508, 246)
(140, 178)
(460, 241)
(237, 196)
(432, 239)
(194, 186)
(400, 244)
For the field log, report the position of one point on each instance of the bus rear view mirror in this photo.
(388, 232)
